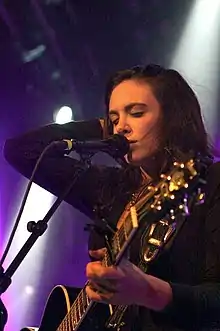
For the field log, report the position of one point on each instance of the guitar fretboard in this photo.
(82, 303)
(156, 203)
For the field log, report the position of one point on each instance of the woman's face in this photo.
(136, 114)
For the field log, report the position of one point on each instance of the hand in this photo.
(126, 284)
(98, 254)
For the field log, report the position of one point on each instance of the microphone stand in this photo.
(37, 230)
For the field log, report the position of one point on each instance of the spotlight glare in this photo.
(29, 290)
(64, 115)
(197, 56)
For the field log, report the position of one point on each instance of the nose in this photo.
(123, 127)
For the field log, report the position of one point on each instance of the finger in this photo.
(103, 287)
(127, 266)
(97, 254)
(95, 270)
(98, 297)
(125, 263)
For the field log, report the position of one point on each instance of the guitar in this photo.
(68, 310)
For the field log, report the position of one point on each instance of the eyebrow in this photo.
(128, 107)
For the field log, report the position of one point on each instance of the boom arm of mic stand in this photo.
(37, 230)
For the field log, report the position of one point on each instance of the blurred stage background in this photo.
(56, 53)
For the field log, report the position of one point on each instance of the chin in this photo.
(135, 160)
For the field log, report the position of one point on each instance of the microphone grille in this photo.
(120, 145)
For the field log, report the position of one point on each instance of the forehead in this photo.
(130, 91)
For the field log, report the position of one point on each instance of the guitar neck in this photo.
(154, 205)
(122, 239)
(119, 244)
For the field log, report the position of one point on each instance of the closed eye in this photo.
(115, 122)
(137, 114)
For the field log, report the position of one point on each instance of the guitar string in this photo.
(80, 300)
(79, 303)
(120, 234)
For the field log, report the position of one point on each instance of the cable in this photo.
(24, 202)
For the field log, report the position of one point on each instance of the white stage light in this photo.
(197, 56)
(29, 290)
(64, 115)
(38, 204)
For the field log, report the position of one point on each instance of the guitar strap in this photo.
(157, 238)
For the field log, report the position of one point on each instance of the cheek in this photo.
(144, 133)
(149, 141)
(149, 130)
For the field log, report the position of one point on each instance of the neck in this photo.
(145, 175)
(151, 169)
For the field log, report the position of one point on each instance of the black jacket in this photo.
(191, 265)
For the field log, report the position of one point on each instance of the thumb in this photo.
(97, 254)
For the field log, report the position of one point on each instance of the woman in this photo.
(157, 111)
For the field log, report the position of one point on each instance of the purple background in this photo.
(77, 45)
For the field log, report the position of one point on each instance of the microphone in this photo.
(117, 146)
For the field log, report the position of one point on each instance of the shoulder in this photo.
(214, 169)
(213, 174)
(106, 172)
(128, 175)
(213, 181)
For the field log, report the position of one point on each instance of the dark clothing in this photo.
(191, 265)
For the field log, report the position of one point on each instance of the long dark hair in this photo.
(183, 132)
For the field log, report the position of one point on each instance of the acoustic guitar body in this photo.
(57, 307)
